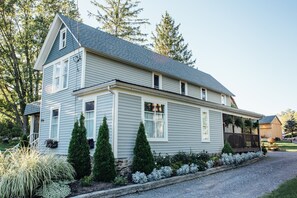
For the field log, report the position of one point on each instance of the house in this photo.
(88, 71)
(270, 126)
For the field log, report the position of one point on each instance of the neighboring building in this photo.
(270, 126)
(87, 70)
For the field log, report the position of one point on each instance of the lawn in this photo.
(284, 146)
(11, 144)
(286, 190)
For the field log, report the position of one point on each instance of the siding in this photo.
(129, 117)
(99, 69)
(55, 53)
(170, 84)
(213, 97)
(184, 128)
(68, 107)
(194, 91)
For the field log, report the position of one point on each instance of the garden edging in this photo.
(115, 192)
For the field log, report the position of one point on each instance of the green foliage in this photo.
(78, 151)
(227, 148)
(25, 170)
(86, 181)
(54, 190)
(9, 129)
(161, 160)
(169, 42)
(120, 181)
(143, 160)
(291, 125)
(287, 190)
(24, 142)
(120, 18)
(104, 165)
(23, 28)
(238, 122)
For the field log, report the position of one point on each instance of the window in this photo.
(183, 88)
(203, 94)
(54, 127)
(205, 135)
(223, 99)
(90, 118)
(60, 75)
(157, 81)
(154, 121)
(63, 33)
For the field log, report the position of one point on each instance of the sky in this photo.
(249, 46)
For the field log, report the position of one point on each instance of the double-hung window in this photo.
(90, 118)
(203, 94)
(205, 133)
(63, 34)
(183, 88)
(223, 99)
(154, 121)
(60, 76)
(54, 127)
(157, 81)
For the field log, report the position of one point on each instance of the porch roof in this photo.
(32, 108)
(113, 84)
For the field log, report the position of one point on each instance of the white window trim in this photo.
(51, 116)
(207, 111)
(154, 100)
(62, 31)
(60, 88)
(225, 99)
(205, 93)
(186, 87)
(153, 79)
(89, 99)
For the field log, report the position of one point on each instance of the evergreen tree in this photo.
(120, 18)
(143, 159)
(291, 126)
(78, 151)
(169, 42)
(104, 167)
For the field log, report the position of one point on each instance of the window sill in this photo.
(157, 139)
(206, 141)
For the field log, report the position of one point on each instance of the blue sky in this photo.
(250, 46)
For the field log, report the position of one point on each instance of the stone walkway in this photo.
(249, 181)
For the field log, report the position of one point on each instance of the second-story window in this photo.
(60, 76)
(183, 88)
(157, 81)
(203, 94)
(223, 99)
(63, 35)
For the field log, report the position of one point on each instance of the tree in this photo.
(286, 115)
(120, 18)
(169, 42)
(79, 151)
(291, 126)
(143, 159)
(23, 27)
(104, 167)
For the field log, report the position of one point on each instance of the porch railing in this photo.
(242, 141)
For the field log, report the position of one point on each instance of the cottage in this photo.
(88, 71)
(270, 126)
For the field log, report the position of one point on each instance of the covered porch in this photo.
(241, 133)
(33, 111)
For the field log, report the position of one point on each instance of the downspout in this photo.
(113, 117)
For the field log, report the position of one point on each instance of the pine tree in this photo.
(143, 159)
(169, 42)
(104, 167)
(78, 152)
(120, 18)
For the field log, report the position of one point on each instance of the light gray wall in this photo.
(67, 107)
(194, 91)
(170, 84)
(184, 128)
(213, 97)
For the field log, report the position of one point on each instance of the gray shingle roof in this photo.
(267, 119)
(119, 49)
(32, 108)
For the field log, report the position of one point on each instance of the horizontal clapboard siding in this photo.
(216, 132)
(169, 84)
(194, 91)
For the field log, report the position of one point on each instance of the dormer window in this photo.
(63, 35)
(203, 94)
(183, 88)
(157, 81)
(223, 99)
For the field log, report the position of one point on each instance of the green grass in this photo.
(284, 146)
(11, 144)
(285, 190)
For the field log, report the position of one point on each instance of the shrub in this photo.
(161, 160)
(193, 168)
(210, 164)
(166, 171)
(277, 139)
(143, 159)
(139, 178)
(54, 190)
(24, 170)
(104, 166)
(202, 166)
(120, 181)
(183, 170)
(24, 142)
(181, 157)
(78, 152)
(86, 181)
(227, 148)
(155, 175)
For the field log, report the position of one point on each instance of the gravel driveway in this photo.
(249, 181)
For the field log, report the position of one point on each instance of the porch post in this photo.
(32, 119)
